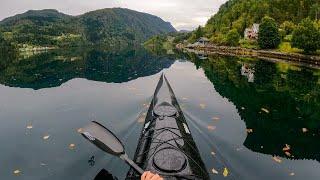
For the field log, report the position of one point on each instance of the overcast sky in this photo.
(183, 14)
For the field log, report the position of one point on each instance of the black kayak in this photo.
(166, 146)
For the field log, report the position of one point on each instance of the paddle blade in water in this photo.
(103, 138)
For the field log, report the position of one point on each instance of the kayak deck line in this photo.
(166, 146)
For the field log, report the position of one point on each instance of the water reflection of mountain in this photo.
(54, 68)
(277, 106)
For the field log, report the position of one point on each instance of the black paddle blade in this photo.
(103, 138)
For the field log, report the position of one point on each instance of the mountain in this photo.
(240, 14)
(106, 26)
(35, 16)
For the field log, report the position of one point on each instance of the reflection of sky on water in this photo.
(60, 111)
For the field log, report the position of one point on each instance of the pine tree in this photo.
(269, 37)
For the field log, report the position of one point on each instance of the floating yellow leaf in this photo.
(16, 172)
(277, 159)
(215, 118)
(292, 174)
(29, 127)
(225, 172)
(288, 154)
(211, 128)
(249, 130)
(141, 120)
(214, 171)
(265, 110)
(79, 130)
(46, 137)
(72, 146)
(132, 88)
(286, 148)
(202, 106)
(304, 130)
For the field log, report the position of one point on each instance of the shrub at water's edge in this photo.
(269, 37)
(306, 36)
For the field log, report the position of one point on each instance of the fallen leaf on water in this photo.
(214, 171)
(43, 164)
(140, 120)
(213, 153)
(211, 128)
(304, 130)
(292, 174)
(225, 172)
(249, 130)
(46, 137)
(72, 146)
(286, 148)
(202, 106)
(29, 127)
(79, 130)
(215, 118)
(16, 172)
(132, 88)
(278, 160)
(265, 110)
(243, 108)
(288, 154)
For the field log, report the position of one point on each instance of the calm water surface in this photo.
(260, 119)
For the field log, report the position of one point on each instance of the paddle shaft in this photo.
(131, 163)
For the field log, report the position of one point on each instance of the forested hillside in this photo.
(107, 27)
(290, 26)
(240, 14)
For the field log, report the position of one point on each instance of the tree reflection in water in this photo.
(53, 68)
(281, 106)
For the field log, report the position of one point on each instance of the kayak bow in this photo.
(166, 146)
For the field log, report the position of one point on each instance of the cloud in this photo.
(183, 14)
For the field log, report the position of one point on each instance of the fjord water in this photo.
(257, 119)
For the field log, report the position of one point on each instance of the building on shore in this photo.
(252, 32)
(203, 41)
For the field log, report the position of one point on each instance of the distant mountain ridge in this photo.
(105, 26)
(50, 14)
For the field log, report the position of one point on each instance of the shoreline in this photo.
(270, 55)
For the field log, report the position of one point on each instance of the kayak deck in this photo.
(166, 146)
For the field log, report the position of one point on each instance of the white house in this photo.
(252, 32)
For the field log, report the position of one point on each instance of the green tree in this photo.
(269, 37)
(288, 26)
(306, 36)
(233, 38)
(199, 33)
(315, 11)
